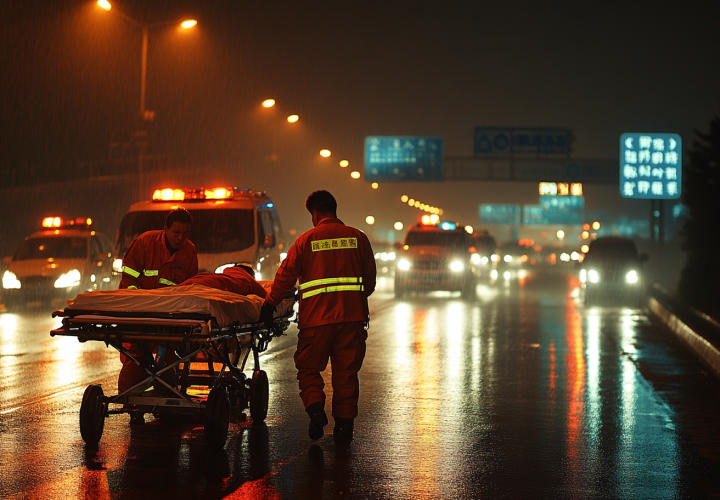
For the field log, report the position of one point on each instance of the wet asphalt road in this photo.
(521, 393)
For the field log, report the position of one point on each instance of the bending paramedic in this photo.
(336, 269)
(156, 259)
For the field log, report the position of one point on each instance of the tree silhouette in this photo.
(700, 277)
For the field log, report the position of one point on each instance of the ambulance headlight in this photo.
(632, 277)
(220, 269)
(457, 266)
(117, 265)
(10, 281)
(593, 276)
(475, 258)
(71, 278)
(404, 265)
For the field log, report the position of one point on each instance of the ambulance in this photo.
(65, 258)
(436, 256)
(230, 225)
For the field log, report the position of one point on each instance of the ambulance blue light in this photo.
(448, 226)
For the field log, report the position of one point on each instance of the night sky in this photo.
(71, 87)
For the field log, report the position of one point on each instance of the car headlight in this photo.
(507, 275)
(507, 258)
(485, 260)
(583, 275)
(632, 277)
(457, 266)
(475, 258)
(10, 281)
(220, 269)
(71, 278)
(117, 265)
(494, 274)
(392, 256)
(404, 265)
(593, 276)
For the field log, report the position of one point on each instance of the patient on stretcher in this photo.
(239, 279)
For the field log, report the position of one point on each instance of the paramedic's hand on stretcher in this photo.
(266, 315)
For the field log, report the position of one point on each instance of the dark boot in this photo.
(344, 428)
(318, 420)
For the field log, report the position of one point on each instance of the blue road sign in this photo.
(650, 166)
(537, 215)
(562, 202)
(521, 141)
(398, 159)
(500, 214)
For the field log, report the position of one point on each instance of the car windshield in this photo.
(436, 238)
(213, 231)
(55, 247)
(485, 245)
(613, 250)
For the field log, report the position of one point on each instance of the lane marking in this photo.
(55, 394)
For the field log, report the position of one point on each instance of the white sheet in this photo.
(225, 307)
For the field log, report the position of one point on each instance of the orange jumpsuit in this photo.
(336, 269)
(147, 264)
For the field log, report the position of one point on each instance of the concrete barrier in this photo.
(708, 354)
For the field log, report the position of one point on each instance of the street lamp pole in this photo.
(142, 134)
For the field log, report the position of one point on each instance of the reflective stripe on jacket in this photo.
(336, 269)
(147, 263)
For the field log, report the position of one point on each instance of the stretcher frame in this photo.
(196, 339)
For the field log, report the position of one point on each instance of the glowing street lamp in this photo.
(370, 220)
(268, 103)
(293, 119)
(374, 185)
(144, 114)
(398, 226)
(344, 163)
(404, 198)
(355, 174)
(325, 153)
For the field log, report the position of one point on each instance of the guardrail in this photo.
(698, 331)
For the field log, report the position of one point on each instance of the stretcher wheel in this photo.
(92, 414)
(217, 416)
(259, 396)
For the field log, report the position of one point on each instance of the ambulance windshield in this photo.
(213, 231)
(55, 247)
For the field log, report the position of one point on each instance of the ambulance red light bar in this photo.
(430, 220)
(171, 194)
(57, 222)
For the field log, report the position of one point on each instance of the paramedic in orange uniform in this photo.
(156, 259)
(336, 269)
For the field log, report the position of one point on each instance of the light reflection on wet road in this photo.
(521, 393)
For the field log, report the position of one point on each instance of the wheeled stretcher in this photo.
(211, 353)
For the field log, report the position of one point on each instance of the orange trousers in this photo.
(344, 345)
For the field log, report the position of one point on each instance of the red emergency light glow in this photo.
(58, 222)
(219, 193)
(172, 194)
(51, 222)
(168, 194)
